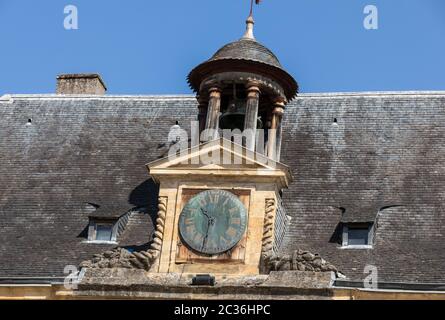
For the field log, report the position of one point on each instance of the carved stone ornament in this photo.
(300, 260)
(267, 248)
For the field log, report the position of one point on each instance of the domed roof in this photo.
(245, 55)
(247, 49)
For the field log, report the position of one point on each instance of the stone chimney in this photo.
(91, 84)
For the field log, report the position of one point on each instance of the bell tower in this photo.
(224, 216)
(243, 87)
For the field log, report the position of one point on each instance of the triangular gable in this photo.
(216, 154)
(218, 157)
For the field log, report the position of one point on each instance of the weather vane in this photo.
(251, 6)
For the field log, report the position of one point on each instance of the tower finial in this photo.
(250, 22)
(249, 29)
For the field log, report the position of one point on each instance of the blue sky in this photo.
(148, 47)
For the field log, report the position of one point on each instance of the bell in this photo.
(234, 116)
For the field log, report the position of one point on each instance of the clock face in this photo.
(213, 222)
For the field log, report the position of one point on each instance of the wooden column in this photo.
(203, 101)
(251, 119)
(213, 111)
(279, 137)
(274, 139)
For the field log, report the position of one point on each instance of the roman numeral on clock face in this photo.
(231, 232)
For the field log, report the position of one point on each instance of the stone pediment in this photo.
(218, 158)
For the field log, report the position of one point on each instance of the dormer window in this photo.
(106, 222)
(358, 235)
(102, 231)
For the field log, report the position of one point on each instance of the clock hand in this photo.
(204, 212)
(210, 222)
(204, 242)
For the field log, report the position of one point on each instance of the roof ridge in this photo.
(371, 93)
(11, 97)
(8, 98)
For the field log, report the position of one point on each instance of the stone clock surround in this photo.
(254, 231)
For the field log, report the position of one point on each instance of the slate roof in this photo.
(76, 151)
(383, 156)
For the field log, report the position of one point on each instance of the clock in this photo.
(213, 222)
